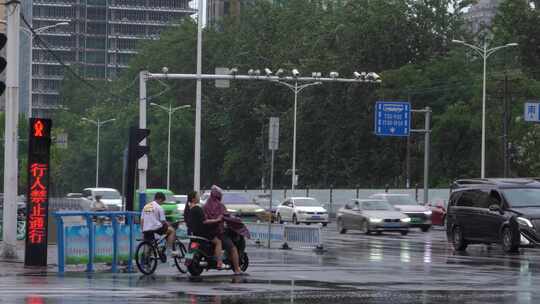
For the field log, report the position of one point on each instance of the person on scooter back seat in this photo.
(199, 226)
(214, 209)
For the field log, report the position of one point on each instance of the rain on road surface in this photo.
(355, 268)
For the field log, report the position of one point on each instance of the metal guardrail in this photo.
(259, 232)
(295, 235)
(114, 216)
(303, 236)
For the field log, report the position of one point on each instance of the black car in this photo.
(486, 211)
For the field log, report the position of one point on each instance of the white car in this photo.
(302, 210)
(109, 196)
(180, 201)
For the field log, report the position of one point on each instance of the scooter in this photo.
(200, 251)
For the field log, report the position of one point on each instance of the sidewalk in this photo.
(16, 266)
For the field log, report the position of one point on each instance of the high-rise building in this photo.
(98, 42)
(481, 14)
(219, 9)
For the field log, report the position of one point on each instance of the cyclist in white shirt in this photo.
(153, 221)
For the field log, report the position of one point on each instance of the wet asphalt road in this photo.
(355, 268)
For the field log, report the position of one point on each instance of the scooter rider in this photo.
(201, 227)
(214, 209)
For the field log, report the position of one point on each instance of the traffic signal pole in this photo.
(145, 76)
(143, 162)
(11, 132)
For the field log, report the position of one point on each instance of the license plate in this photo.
(315, 217)
(392, 225)
(189, 256)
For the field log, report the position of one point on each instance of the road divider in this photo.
(295, 236)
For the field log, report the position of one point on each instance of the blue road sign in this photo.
(392, 118)
(532, 112)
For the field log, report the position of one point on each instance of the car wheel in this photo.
(279, 220)
(508, 243)
(365, 228)
(324, 224)
(340, 228)
(295, 220)
(460, 244)
(425, 228)
(404, 232)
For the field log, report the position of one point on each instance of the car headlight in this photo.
(406, 220)
(427, 212)
(259, 210)
(375, 220)
(525, 222)
(230, 210)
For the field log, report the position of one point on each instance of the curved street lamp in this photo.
(484, 52)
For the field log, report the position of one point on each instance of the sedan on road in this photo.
(302, 210)
(420, 215)
(371, 216)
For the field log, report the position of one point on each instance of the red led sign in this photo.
(38, 192)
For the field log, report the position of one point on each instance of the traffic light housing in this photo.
(134, 152)
(3, 62)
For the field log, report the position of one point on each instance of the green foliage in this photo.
(406, 41)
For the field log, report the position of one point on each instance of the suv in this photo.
(486, 211)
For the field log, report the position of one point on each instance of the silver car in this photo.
(371, 216)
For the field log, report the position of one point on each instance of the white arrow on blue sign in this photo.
(532, 112)
(392, 118)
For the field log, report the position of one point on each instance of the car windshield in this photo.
(306, 203)
(522, 197)
(235, 198)
(400, 200)
(108, 194)
(376, 205)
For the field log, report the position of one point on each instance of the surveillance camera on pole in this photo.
(295, 73)
(279, 72)
(251, 72)
(257, 72)
(334, 75)
(233, 71)
(268, 72)
(373, 77)
(165, 70)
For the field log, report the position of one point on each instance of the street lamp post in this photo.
(296, 90)
(170, 110)
(31, 37)
(484, 52)
(98, 124)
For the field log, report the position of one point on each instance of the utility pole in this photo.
(11, 161)
(198, 102)
(505, 126)
(408, 158)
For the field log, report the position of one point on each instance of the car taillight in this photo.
(194, 246)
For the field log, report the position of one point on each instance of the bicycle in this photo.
(148, 254)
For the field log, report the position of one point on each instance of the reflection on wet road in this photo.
(355, 268)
